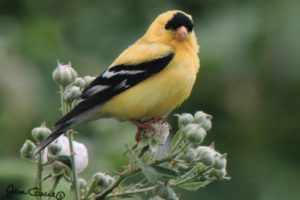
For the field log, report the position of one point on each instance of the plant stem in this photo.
(74, 172)
(56, 181)
(125, 174)
(65, 108)
(135, 191)
(39, 178)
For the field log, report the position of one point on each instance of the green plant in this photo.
(188, 164)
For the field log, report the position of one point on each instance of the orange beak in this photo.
(181, 33)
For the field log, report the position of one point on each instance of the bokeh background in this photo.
(249, 81)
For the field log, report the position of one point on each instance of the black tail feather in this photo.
(58, 131)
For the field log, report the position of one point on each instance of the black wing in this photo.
(114, 81)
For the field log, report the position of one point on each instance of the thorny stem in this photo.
(65, 108)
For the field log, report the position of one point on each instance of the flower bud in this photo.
(82, 185)
(165, 192)
(156, 198)
(194, 133)
(100, 181)
(54, 148)
(88, 80)
(57, 168)
(79, 82)
(184, 119)
(27, 150)
(203, 119)
(190, 155)
(64, 74)
(71, 93)
(220, 161)
(206, 155)
(40, 133)
(222, 173)
(80, 152)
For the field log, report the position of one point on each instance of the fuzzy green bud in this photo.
(194, 133)
(40, 133)
(206, 155)
(222, 173)
(190, 155)
(156, 198)
(26, 150)
(88, 80)
(165, 192)
(203, 119)
(220, 161)
(64, 74)
(54, 148)
(71, 93)
(101, 181)
(82, 185)
(79, 82)
(184, 119)
(57, 168)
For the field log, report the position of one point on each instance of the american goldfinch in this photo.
(146, 82)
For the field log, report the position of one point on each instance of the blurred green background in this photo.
(249, 81)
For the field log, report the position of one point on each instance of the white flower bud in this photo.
(184, 119)
(40, 133)
(88, 80)
(203, 120)
(80, 152)
(27, 150)
(79, 82)
(194, 133)
(64, 74)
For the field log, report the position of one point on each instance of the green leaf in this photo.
(150, 173)
(193, 185)
(175, 141)
(165, 171)
(66, 160)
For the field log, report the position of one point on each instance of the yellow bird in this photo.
(146, 82)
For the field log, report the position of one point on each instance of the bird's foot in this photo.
(147, 125)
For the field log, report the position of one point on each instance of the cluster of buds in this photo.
(72, 85)
(197, 165)
(56, 153)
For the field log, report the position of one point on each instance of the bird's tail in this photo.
(58, 131)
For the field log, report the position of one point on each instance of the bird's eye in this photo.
(179, 19)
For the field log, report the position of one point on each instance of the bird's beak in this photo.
(181, 33)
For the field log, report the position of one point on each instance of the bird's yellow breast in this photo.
(158, 95)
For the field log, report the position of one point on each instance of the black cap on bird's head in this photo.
(179, 19)
(171, 25)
